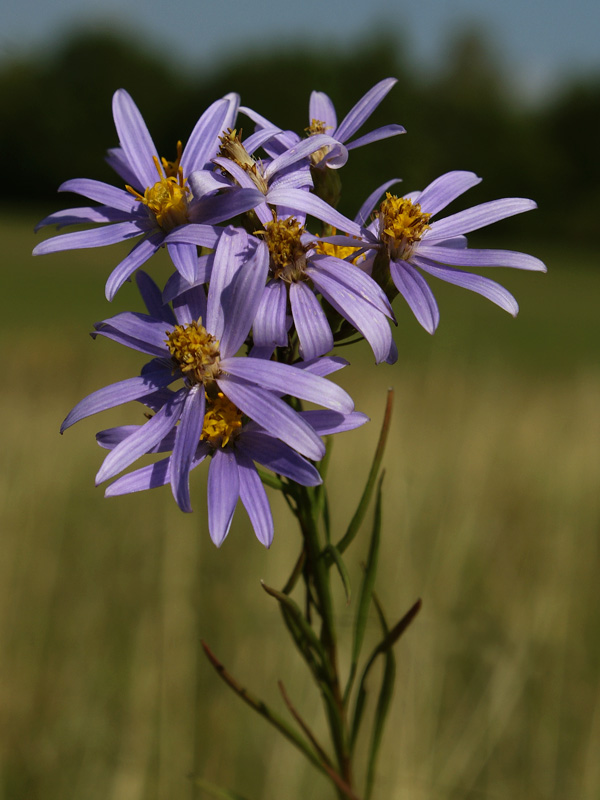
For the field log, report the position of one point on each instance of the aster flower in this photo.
(323, 120)
(199, 352)
(301, 266)
(404, 234)
(158, 198)
(234, 443)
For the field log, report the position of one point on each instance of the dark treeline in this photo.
(56, 123)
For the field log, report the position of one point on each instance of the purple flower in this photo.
(323, 120)
(158, 198)
(299, 267)
(405, 235)
(234, 444)
(195, 345)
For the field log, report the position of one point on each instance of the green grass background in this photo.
(491, 516)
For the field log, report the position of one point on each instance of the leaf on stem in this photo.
(332, 551)
(366, 590)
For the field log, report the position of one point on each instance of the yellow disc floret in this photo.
(169, 197)
(288, 254)
(338, 250)
(222, 420)
(195, 352)
(402, 224)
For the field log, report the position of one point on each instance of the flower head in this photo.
(194, 345)
(410, 241)
(156, 199)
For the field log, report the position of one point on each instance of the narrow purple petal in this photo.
(415, 290)
(152, 297)
(323, 366)
(135, 258)
(202, 144)
(355, 280)
(254, 498)
(111, 437)
(311, 204)
(445, 189)
(303, 149)
(143, 333)
(116, 394)
(184, 256)
(186, 442)
(76, 216)
(149, 477)
(238, 280)
(102, 193)
(326, 422)
(222, 207)
(273, 414)
(278, 457)
(135, 138)
(190, 306)
(196, 233)
(367, 104)
(465, 257)
(321, 109)
(119, 232)
(373, 325)
(136, 445)
(117, 160)
(376, 136)
(222, 491)
(369, 204)
(477, 217)
(312, 326)
(288, 379)
(475, 283)
(270, 327)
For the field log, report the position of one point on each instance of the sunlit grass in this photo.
(491, 516)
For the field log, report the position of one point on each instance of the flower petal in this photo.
(465, 257)
(445, 189)
(98, 237)
(287, 379)
(184, 256)
(321, 109)
(312, 326)
(137, 256)
(475, 283)
(116, 394)
(186, 440)
(269, 328)
(203, 141)
(273, 414)
(376, 136)
(278, 457)
(311, 204)
(254, 498)
(135, 138)
(415, 290)
(477, 217)
(223, 491)
(138, 331)
(363, 109)
(140, 442)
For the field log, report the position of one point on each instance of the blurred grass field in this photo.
(491, 516)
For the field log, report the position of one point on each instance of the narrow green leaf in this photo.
(365, 499)
(366, 590)
(310, 637)
(342, 569)
(383, 704)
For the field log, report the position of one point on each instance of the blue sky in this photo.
(541, 42)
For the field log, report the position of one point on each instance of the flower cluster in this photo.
(268, 278)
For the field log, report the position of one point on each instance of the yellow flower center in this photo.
(338, 250)
(195, 352)
(233, 149)
(222, 420)
(168, 198)
(285, 248)
(402, 223)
